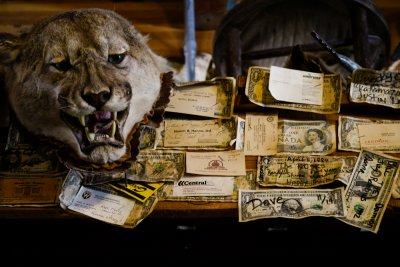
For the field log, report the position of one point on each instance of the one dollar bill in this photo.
(258, 92)
(291, 203)
(350, 137)
(376, 87)
(298, 171)
(369, 189)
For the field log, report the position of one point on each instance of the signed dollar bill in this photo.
(376, 134)
(298, 171)
(258, 92)
(306, 137)
(369, 189)
(290, 203)
(378, 87)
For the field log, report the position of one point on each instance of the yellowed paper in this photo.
(198, 100)
(296, 86)
(379, 136)
(199, 133)
(261, 135)
(225, 163)
(213, 98)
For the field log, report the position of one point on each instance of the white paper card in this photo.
(203, 186)
(296, 86)
(102, 206)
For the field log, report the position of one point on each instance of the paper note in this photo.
(383, 135)
(212, 98)
(226, 163)
(200, 133)
(296, 86)
(203, 186)
(261, 135)
(198, 100)
(102, 206)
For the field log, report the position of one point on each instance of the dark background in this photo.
(317, 241)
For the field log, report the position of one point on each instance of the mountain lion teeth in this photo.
(99, 137)
(113, 128)
(82, 120)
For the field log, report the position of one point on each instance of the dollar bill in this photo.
(257, 92)
(369, 189)
(148, 137)
(349, 138)
(157, 165)
(22, 157)
(298, 171)
(347, 168)
(396, 189)
(247, 181)
(290, 203)
(211, 98)
(306, 137)
(378, 87)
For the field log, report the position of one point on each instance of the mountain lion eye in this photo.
(116, 58)
(63, 65)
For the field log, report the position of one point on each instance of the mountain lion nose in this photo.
(97, 100)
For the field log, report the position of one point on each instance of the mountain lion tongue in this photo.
(99, 122)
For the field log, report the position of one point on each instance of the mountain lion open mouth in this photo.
(97, 129)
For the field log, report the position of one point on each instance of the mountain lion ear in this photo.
(9, 47)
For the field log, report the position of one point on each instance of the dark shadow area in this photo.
(190, 242)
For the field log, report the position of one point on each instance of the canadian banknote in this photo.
(349, 138)
(378, 87)
(299, 171)
(290, 203)
(257, 92)
(369, 189)
(306, 137)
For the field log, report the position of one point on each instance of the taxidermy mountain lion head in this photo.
(85, 81)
